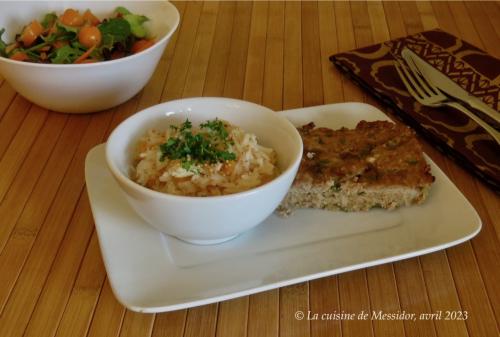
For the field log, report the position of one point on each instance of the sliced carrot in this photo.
(11, 47)
(19, 56)
(141, 45)
(85, 55)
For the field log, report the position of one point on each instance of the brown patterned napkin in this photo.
(449, 130)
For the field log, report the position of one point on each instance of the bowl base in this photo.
(207, 242)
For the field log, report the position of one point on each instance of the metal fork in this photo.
(429, 95)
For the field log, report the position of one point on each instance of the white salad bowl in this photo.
(82, 88)
(206, 220)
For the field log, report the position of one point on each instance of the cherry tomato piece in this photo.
(89, 17)
(141, 45)
(90, 36)
(72, 18)
(31, 32)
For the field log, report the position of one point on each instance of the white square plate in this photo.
(152, 272)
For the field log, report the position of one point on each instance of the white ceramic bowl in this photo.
(206, 220)
(81, 88)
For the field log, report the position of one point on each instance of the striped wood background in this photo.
(52, 280)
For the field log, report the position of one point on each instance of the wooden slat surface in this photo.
(52, 278)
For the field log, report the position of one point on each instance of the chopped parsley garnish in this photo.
(217, 127)
(210, 145)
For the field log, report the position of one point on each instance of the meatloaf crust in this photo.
(377, 164)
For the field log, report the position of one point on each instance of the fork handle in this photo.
(494, 133)
(479, 105)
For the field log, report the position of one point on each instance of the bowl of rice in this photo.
(204, 170)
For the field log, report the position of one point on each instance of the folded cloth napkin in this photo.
(451, 131)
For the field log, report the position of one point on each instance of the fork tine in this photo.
(426, 85)
(403, 75)
(411, 78)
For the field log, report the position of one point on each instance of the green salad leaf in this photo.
(3, 45)
(113, 31)
(136, 26)
(64, 29)
(122, 10)
(118, 36)
(78, 45)
(135, 21)
(62, 35)
(65, 54)
(49, 20)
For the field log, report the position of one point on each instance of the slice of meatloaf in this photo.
(377, 164)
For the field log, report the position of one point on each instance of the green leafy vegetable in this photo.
(3, 45)
(202, 147)
(62, 28)
(114, 31)
(136, 26)
(118, 37)
(65, 54)
(51, 39)
(122, 10)
(49, 20)
(78, 45)
(135, 21)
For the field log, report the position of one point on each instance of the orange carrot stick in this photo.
(85, 55)
(19, 56)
